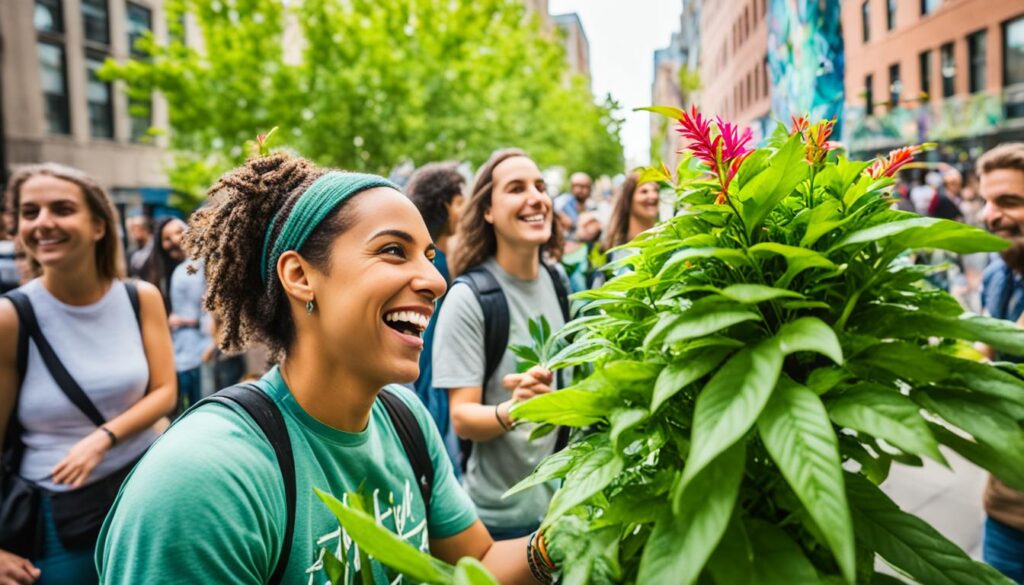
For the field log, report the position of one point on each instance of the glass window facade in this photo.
(948, 70)
(925, 63)
(976, 61)
(48, 16)
(53, 77)
(865, 21)
(96, 21)
(895, 85)
(140, 21)
(100, 97)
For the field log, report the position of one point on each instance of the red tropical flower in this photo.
(800, 125)
(817, 140)
(888, 166)
(722, 151)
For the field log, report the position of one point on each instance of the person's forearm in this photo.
(479, 423)
(506, 560)
(155, 405)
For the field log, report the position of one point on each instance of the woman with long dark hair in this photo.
(165, 256)
(506, 225)
(635, 210)
(86, 370)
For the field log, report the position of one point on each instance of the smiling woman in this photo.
(333, 272)
(86, 370)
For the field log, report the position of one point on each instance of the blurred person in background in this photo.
(436, 189)
(1001, 175)
(28, 267)
(79, 420)
(190, 326)
(506, 225)
(140, 231)
(570, 205)
(165, 257)
(635, 210)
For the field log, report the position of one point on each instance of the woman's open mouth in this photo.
(409, 323)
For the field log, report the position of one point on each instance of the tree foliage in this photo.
(363, 84)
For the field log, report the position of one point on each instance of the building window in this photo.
(929, 6)
(890, 14)
(865, 21)
(140, 21)
(948, 70)
(925, 62)
(765, 78)
(100, 98)
(53, 78)
(869, 95)
(48, 16)
(895, 85)
(976, 61)
(1013, 62)
(96, 21)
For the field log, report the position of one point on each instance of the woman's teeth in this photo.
(408, 319)
(533, 218)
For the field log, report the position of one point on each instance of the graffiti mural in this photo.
(805, 59)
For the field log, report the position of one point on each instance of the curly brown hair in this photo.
(477, 240)
(228, 233)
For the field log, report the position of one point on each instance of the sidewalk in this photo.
(948, 500)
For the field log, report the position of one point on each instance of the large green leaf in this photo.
(797, 260)
(981, 416)
(386, 546)
(730, 256)
(786, 169)
(777, 559)
(682, 542)
(689, 368)
(929, 232)
(797, 432)
(909, 543)
(757, 293)
(733, 560)
(810, 334)
(667, 111)
(701, 320)
(884, 413)
(588, 476)
(730, 403)
(1009, 470)
(470, 571)
(823, 219)
(570, 407)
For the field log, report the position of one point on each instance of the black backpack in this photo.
(269, 419)
(492, 301)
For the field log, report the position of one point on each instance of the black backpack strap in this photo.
(496, 316)
(20, 301)
(269, 419)
(133, 297)
(413, 441)
(560, 290)
(27, 321)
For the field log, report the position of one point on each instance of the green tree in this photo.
(362, 84)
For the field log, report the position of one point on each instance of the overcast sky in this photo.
(623, 36)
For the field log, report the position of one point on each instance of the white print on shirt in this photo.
(339, 542)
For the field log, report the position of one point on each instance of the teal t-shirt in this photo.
(206, 504)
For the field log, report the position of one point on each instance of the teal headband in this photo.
(315, 204)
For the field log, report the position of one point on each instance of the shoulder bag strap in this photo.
(20, 302)
(560, 292)
(496, 317)
(133, 297)
(269, 419)
(413, 441)
(67, 384)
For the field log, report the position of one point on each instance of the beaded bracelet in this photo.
(540, 566)
(497, 415)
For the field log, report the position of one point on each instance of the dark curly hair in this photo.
(228, 235)
(431, 189)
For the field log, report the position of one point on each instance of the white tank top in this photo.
(101, 347)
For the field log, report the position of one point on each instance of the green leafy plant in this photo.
(761, 367)
(378, 543)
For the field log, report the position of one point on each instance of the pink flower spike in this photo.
(697, 129)
(734, 144)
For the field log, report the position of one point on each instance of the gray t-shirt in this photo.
(458, 362)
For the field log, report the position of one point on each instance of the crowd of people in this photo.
(384, 318)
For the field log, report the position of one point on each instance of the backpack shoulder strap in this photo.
(413, 441)
(269, 419)
(560, 291)
(496, 316)
(27, 321)
(21, 307)
(133, 296)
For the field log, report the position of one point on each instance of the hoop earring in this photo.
(310, 306)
